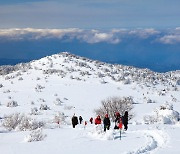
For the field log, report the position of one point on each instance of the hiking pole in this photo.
(120, 134)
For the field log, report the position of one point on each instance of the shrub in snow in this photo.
(1, 85)
(27, 123)
(68, 107)
(65, 98)
(42, 100)
(164, 115)
(12, 104)
(34, 111)
(150, 101)
(10, 122)
(56, 94)
(44, 107)
(21, 122)
(38, 88)
(103, 82)
(9, 97)
(58, 101)
(20, 79)
(35, 135)
(60, 118)
(32, 103)
(38, 78)
(115, 104)
(127, 81)
(7, 91)
(178, 82)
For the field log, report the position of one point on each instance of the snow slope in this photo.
(71, 84)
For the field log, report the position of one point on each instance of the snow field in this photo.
(78, 86)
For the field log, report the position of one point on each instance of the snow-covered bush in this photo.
(38, 78)
(115, 104)
(32, 103)
(149, 119)
(39, 88)
(1, 85)
(55, 94)
(150, 101)
(164, 115)
(10, 122)
(60, 118)
(44, 107)
(127, 81)
(9, 97)
(34, 111)
(12, 104)
(20, 79)
(35, 135)
(58, 101)
(68, 107)
(178, 82)
(21, 122)
(42, 100)
(7, 91)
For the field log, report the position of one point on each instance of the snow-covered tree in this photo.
(115, 104)
(12, 104)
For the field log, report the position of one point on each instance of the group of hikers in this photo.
(119, 121)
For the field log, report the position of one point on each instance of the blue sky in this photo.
(88, 14)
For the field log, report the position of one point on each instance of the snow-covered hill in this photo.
(67, 84)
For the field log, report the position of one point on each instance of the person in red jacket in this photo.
(98, 120)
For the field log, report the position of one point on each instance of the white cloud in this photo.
(91, 36)
(113, 36)
(170, 39)
(144, 33)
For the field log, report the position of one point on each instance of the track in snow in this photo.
(155, 139)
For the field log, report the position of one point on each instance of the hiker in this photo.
(74, 121)
(125, 120)
(91, 120)
(98, 120)
(117, 120)
(80, 119)
(106, 122)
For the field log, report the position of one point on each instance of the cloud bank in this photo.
(113, 36)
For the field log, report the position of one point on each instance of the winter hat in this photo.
(117, 114)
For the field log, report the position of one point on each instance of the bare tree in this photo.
(115, 104)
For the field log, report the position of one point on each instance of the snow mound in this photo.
(98, 133)
(165, 114)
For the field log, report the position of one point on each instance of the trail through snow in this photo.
(154, 139)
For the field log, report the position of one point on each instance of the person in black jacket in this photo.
(80, 119)
(125, 120)
(74, 121)
(106, 122)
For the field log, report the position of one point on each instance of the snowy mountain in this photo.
(63, 84)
